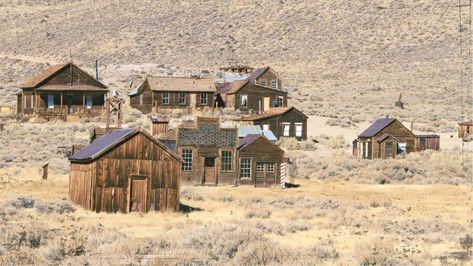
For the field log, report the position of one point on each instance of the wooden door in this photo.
(210, 173)
(260, 178)
(266, 103)
(138, 194)
(193, 100)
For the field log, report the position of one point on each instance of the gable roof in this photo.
(249, 139)
(182, 84)
(272, 112)
(376, 127)
(258, 73)
(386, 136)
(41, 78)
(111, 140)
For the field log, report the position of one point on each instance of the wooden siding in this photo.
(159, 128)
(431, 143)
(104, 185)
(268, 76)
(276, 124)
(256, 95)
(262, 151)
(464, 131)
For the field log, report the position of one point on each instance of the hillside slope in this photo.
(343, 59)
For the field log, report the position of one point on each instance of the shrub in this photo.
(191, 194)
(297, 225)
(226, 198)
(258, 213)
(59, 206)
(23, 202)
(55, 254)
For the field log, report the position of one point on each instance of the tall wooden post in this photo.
(83, 102)
(44, 173)
(107, 115)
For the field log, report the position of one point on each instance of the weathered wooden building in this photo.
(428, 142)
(465, 129)
(208, 151)
(259, 161)
(125, 170)
(64, 92)
(259, 92)
(163, 93)
(282, 121)
(159, 124)
(388, 137)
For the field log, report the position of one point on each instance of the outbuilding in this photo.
(125, 170)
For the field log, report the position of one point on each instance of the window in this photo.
(279, 101)
(389, 149)
(187, 157)
(89, 101)
(51, 101)
(263, 82)
(227, 161)
(266, 127)
(260, 167)
(203, 99)
(270, 167)
(209, 162)
(165, 97)
(244, 100)
(182, 98)
(423, 142)
(298, 129)
(245, 168)
(274, 84)
(286, 129)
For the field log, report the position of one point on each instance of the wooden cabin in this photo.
(385, 138)
(64, 92)
(465, 129)
(209, 152)
(125, 170)
(259, 161)
(285, 122)
(428, 142)
(259, 92)
(164, 93)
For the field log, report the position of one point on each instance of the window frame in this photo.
(179, 98)
(244, 97)
(262, 170)
(242, 168)
(279, 101)
(270, 169)
(263, 82)
(206, 98)
(226, 164)
(301, 125)
(288, 124)
(186, 165)
(390, 145)
(165, 98)
(274, 84)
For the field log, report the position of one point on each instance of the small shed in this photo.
(125, 170)
(259, 161)
(159, 124)
(429, 142)
(465, 129)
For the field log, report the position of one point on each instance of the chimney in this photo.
(96, 69)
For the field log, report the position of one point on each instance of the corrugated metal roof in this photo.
(247, 141)
(181, 84)
(102, 144)
(245, 130)
(257, 73)
(269, 135)
(376, 127)
(170, 144)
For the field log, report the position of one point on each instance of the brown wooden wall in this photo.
(431, 143)
(400, 132)
(464, 131)
(256, 96)
(268, 76)
(110, 176)
(78, 77)
(276, 124)
(262, 151)
(159, 128)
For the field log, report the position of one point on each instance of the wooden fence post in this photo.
(45, 171)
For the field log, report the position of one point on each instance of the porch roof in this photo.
(66, 88)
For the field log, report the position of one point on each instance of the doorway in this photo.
(210, 177)
(138, 193)
(266, 103)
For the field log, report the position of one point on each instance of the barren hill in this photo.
(348, 60)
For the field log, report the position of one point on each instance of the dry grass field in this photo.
(344, 64)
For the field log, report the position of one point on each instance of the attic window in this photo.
(244, 100)
(274, 84)
(263, 82)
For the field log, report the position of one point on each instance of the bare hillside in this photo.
(343, 59)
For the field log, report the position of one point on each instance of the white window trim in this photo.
(167, 98)
(265, 126)
(284, 129)
(206, 99)
(246, 178)
(267, 167)
(191, 162)
(275, 81)
(282, 101)
(301, 127)
(264, 167)
(241, 100)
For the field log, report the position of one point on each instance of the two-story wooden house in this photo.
(60, 92)
(164, 93)
(259, 92)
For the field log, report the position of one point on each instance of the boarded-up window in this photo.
(286, 129)
(51, 101)
(245, 168)
(227, 161)
(187, 157)
(298, 129)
